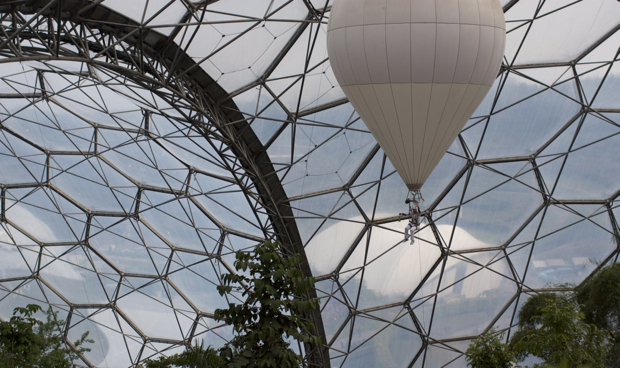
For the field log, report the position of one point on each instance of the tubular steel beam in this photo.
(155, 60)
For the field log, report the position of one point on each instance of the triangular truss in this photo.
(142, 143)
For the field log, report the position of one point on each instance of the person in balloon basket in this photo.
(414, 219)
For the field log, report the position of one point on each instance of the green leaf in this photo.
(276, 297)
(554, 330)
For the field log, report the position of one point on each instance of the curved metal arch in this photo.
(105, 38)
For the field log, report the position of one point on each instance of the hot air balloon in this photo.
(415, 71)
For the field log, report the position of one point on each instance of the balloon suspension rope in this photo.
(415, 196)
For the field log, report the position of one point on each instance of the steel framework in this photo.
(234, 103)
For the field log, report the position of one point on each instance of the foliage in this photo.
(552, 328)
(27, 342)
(530, 314)
(274, 288)
(272, 312)
(488, 351)
(599, 297)
(193, 357)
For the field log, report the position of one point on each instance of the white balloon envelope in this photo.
(415, 71)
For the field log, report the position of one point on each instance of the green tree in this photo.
(274, 289)
(28, 342)
(552, 328)
(193, 357)
(488, 351)
(599, 297)
(273, 310)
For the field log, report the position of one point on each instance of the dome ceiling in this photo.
(124, 193)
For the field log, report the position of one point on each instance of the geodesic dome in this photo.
(142, 143)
